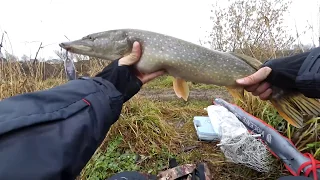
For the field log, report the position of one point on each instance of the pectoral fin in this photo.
(181, 88)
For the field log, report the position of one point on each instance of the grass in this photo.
(305, 139)
(150, 132)
(165, 82)
(159, 130)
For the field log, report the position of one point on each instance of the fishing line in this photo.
(67, 37)
(2, 36)
(68, 62)
(7, 52)
(3, 47)
(43, 30)
(50, 44)
(26, 44)
(29, 42)
(9, 42)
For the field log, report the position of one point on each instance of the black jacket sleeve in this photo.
(52, 134)
(123, 79)
(308, 78)
(299, 72)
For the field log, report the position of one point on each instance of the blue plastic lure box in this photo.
(204, 129)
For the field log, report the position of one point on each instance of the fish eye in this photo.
(88, 37)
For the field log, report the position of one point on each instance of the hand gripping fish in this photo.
(186, 61)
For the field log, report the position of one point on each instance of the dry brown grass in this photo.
(305, 139)
(256, 28)
(154, 127)
(157, 130)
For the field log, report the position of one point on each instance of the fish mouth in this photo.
(78, 46)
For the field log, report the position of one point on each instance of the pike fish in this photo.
(186, 61)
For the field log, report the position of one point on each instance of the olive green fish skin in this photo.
(191, 62)
(179, 58)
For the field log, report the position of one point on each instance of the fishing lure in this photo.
(69, 68)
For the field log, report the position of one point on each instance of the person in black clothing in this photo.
(52, 134)
(300, 72)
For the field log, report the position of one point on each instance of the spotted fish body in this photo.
(179, 58)
(186, 61)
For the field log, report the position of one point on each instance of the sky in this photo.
(28, 23)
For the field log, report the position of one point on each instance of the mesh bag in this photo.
(237, 144)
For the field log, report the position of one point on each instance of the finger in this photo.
(255, 93)
(266, 95)
(151, 76)
(256, 77)
(251, 88)
(261, 88)
(133, 57)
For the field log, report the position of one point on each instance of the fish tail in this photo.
(237, 93)
(296, 109)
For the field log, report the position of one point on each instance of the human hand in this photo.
(256, 85)
(124, 75)
(133, 58)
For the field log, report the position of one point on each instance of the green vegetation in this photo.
(157, 131)
(149, 132)
(105, 164)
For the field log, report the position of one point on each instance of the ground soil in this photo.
(195, 94)
(205, 150)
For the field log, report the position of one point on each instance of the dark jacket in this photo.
(300, 72)
(52, 134)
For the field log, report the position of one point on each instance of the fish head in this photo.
(109, 45)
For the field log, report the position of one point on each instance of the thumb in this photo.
(133, 57)
(256, 77)
(135, 52)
